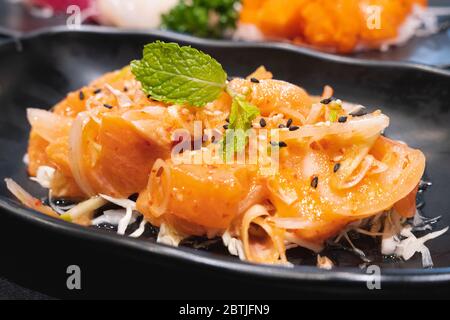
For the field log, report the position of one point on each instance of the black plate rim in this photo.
(16, 37)
(295, 274)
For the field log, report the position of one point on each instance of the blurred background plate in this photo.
(432, 50)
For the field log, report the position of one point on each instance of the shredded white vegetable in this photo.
(113, 217)
(411, 245)
(234, 245)
(127, 204)
(85, 208)
(121, 202)
(169, 236)
(125, 221)
(139, 231)
(44, 176)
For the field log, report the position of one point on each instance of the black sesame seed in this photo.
(254, 80)
(342, 119)
(281, 126)
(225, 127)
(358, 113)
(328, 100)
(97, 91)
(108, 106)
(315, 182)
(81, 95)
(125, 89)
(337, 166)
(293, 128)
(280, 144)
(289, 123)
(227, 119)
(262, 122)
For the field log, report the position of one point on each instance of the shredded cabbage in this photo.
(169, 236)
(44, 176)
(234, 245)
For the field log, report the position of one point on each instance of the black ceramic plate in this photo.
(43, 67)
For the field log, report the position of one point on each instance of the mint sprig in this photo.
(180, 75)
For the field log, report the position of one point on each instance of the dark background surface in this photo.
(111, 271)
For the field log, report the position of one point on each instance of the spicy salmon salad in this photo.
(173, 143)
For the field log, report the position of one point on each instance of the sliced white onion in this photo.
(366, 164)
(76, 153)
(314, 113)
(291, 238)
(48, 125)
(85, 208)
(365, 127)
(122, 99)
(255, 196)
(291, 223)
(28, 200)
(155, 183)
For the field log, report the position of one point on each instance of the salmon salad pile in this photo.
(113, 142)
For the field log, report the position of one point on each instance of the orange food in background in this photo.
(338, 25)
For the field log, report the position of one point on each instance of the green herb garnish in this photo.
(184, 75)
(241, 117)
(202, 18)
(180, 75)
(335, 109)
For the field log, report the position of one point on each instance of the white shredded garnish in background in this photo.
(139, 231)
(44, 176)
(234, 246)
(324, 263)
(167, 235)
(248, 32)
(113, 217)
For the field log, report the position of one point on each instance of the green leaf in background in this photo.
(180, 75)
(203, 18)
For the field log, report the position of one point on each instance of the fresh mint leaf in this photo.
(180, 75)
